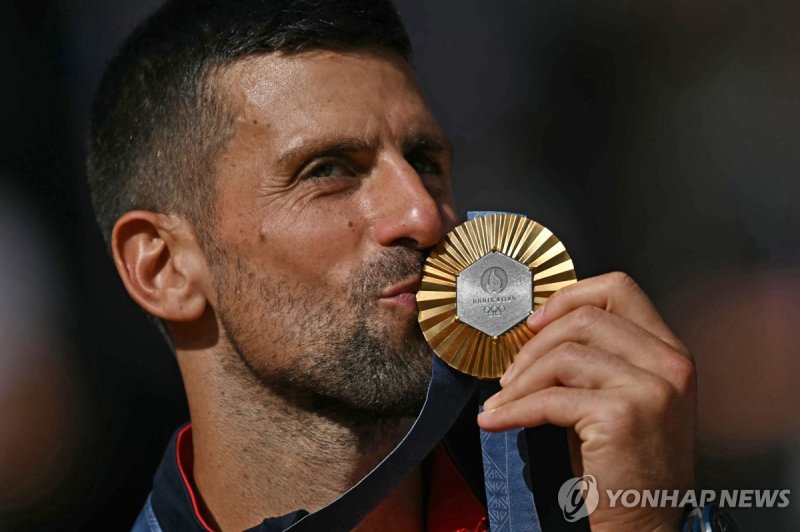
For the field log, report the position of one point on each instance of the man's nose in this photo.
(405, 211)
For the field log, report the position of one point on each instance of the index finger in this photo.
(613, 292)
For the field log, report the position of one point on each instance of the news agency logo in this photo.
(578, 497)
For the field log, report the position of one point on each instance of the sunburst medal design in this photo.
(481, 283)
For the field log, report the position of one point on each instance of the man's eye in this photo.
(327, 169)
(425, 165)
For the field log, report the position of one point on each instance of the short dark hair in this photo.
(156, 123)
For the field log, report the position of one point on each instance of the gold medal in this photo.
(481, 283)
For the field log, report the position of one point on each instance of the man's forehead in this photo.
(300, 99)
(266, 79)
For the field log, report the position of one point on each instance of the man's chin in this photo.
(379, 368)
(363, 407)
(398, 328)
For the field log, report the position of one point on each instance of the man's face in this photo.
(334, 185)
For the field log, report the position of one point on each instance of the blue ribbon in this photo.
(509, 499)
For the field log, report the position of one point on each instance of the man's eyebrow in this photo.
(326, 147)
(428, 143)
(335, 146)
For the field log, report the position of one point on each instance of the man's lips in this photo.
(403, 293)
(408, 286)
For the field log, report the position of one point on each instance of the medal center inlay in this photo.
(494, 294)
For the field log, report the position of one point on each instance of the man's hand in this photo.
(603, 363)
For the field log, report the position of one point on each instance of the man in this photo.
(270, 180)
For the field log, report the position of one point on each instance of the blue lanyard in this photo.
(509, 499)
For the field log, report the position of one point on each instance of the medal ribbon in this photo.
(506, 476)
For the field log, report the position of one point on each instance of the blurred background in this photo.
(658, 138)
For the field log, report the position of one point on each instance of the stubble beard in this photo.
(343, 356)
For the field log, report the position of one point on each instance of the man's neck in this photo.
(260, 454)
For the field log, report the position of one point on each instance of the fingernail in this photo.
(506, 375)
(535, 318)
(490, 402)
(486, 414)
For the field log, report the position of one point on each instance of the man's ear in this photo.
(161, 264)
